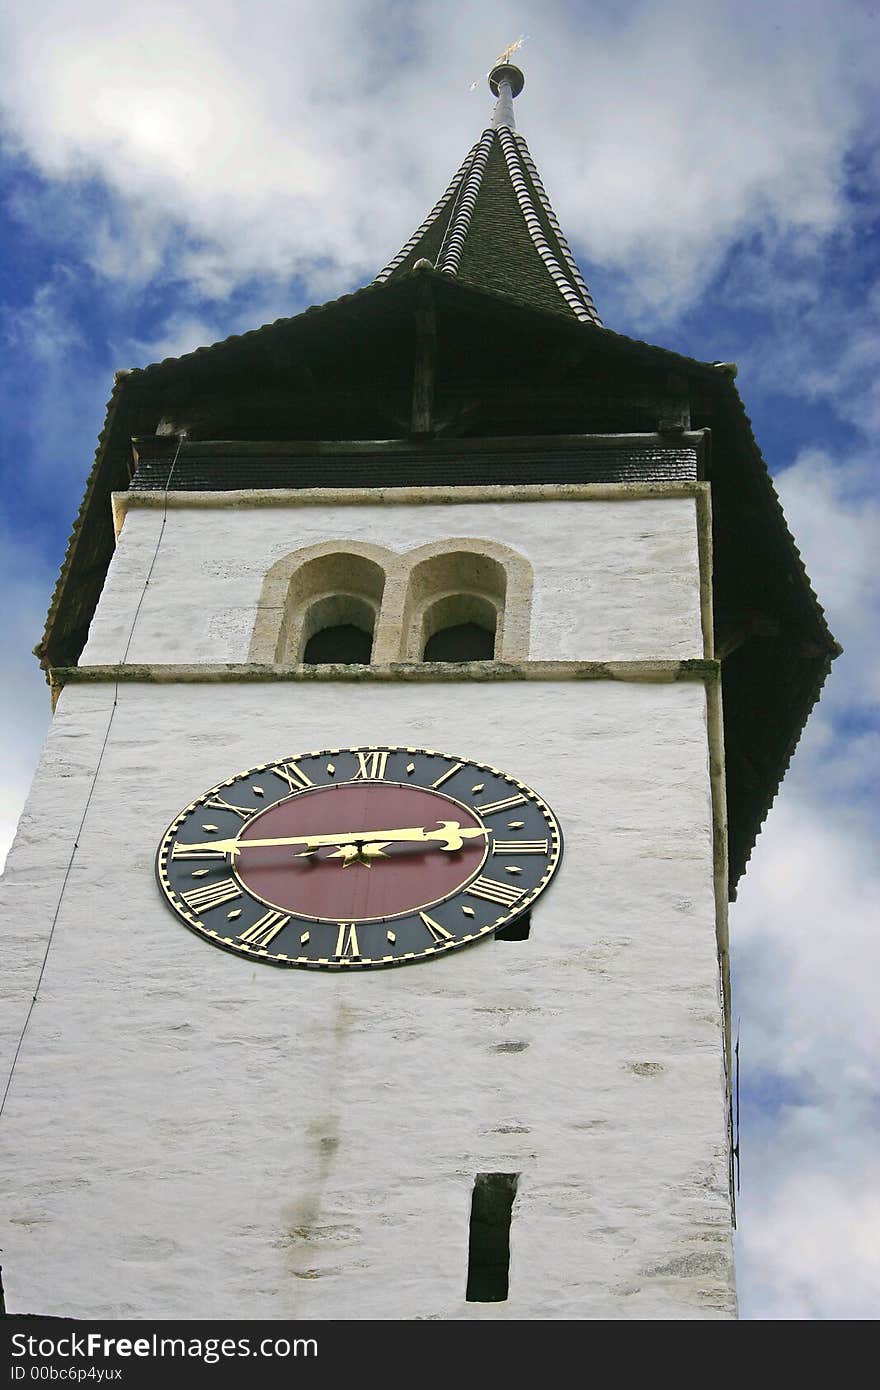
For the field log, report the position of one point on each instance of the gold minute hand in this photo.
(450, 834)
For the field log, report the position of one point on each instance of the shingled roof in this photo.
(494, 227)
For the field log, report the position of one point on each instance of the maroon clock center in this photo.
(405, 876)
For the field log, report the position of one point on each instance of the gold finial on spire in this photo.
(502, 60)
(511, 48)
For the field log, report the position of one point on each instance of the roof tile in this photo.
(495, 229)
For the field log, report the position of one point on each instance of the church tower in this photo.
(424, 667)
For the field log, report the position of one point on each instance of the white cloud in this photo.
(181, 333)
(806, 957)
(813, 1249)
(310, 140)
(42, 328)
(25, 586)
(837, 523)
(821, 307)
(54, 393)
(811, 898)
(701, 128)
(833, 511)
(810, 902)
(805, 937)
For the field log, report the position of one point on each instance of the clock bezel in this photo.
(244, 949)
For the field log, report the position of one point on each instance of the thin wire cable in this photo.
(93, 784)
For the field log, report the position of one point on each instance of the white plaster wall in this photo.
(614, 580)
(189, 1134)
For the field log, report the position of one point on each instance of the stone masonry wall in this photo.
(614, 581)
(190, 1134)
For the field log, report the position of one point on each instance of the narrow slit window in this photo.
(489, 1249)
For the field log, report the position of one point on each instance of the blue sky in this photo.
(175, 174)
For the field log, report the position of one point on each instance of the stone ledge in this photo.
(123, 502)
(403, 671)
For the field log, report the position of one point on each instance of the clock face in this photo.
(356, 857)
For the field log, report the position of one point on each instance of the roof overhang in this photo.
(356, 358)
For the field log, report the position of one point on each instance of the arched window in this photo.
(331, 610)
(353, 602)
(455, 606)
(321, 605)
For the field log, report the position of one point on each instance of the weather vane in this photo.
(503, 57)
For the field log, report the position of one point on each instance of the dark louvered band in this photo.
(221, 473)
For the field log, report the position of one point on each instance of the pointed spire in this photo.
(494, 227)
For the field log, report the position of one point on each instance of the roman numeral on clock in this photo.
(438, 933)
(371, 766)
(493, 807)
(445, 776)
(504, 893)
(347, 941)
(294, 776)
(520, 847)
(220, 805)
(210, 895)
(265, 930)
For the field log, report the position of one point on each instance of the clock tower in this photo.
(424, 667)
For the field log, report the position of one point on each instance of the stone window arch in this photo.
(323, 598)
(459, 589)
